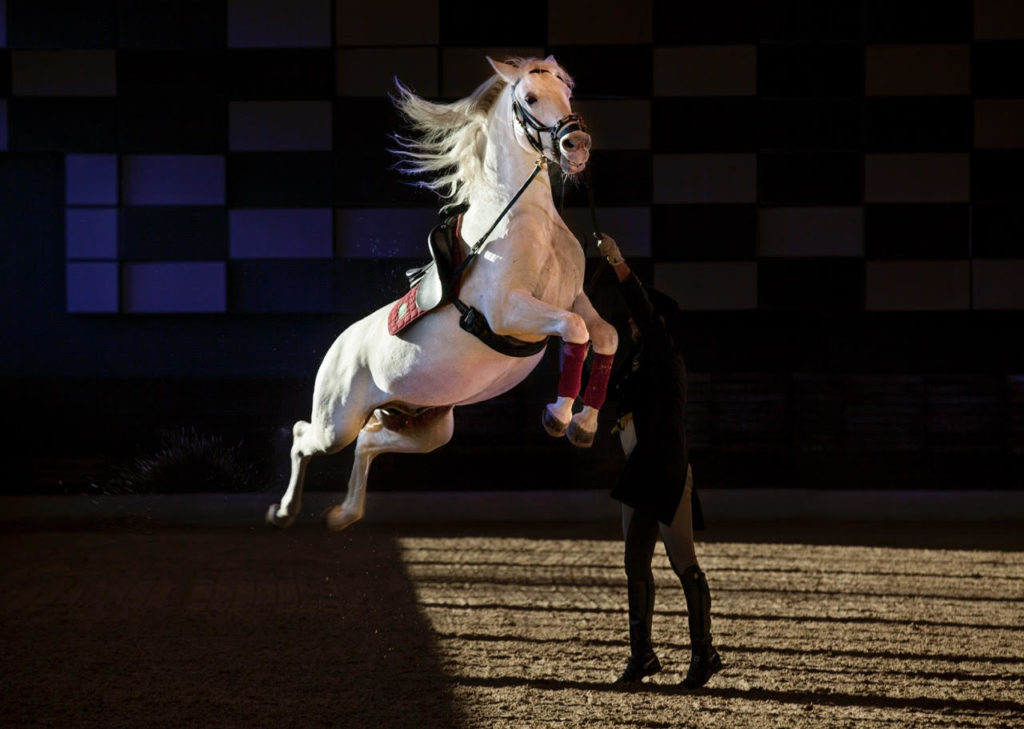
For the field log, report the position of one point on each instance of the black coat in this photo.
(650, 383)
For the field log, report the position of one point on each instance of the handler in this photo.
(656, 483)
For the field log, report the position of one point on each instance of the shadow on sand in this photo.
(214, 628)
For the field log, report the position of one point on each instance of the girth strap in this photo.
(476, 324)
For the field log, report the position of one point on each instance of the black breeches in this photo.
(640, 530)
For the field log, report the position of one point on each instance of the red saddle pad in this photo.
(404, 312)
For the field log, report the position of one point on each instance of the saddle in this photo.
(433, 280)
(435, 283)
(431, 284)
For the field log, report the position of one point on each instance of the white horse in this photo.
(397, 393)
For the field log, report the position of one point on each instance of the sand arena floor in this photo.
(137, 624)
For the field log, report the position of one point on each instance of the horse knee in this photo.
(574, 329)
(604, 337)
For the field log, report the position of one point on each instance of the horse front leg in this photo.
(605, 340)
(522, 314)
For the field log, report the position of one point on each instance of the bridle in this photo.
(532, 127)
(565, 126)
(571, 122)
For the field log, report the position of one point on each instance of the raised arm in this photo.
(632, 290)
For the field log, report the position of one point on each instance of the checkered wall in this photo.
(849, 156)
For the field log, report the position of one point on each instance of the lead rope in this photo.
(593, 220)
(597, 232)
(590, 201)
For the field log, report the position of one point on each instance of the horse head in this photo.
(542, 114)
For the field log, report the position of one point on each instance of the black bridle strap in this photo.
(529, 122)
(568, 124)
(565, 126)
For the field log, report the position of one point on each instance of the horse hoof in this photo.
(337, 518)
(580, 437)
(281, 522)
(552, 425)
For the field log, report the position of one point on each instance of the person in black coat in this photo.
(655, 486)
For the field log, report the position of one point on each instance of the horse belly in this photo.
(436, 363)
(517, 371)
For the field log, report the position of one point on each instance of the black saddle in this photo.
(436, 279)
(437, 282)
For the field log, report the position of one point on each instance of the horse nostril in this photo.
(576, 143)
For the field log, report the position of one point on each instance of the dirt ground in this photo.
(137, 624)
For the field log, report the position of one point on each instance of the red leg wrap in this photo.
(572, 368)
(597, 385)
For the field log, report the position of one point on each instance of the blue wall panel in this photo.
(91, 179)
(91, 233)
(174, 288)
(92, 288)
(172, 179)
(300, 233)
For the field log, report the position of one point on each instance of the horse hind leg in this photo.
(389, 431)
(339, 428)
(283, 515)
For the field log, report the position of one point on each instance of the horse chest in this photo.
(562, 270)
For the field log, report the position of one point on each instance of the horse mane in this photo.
(449, 139)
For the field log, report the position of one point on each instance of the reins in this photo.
(541, 164)
(475, 250)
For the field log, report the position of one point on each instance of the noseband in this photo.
(533, 128)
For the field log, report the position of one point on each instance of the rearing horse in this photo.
(397, 393)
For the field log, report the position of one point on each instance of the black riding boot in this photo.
(704, 659)
(642, 660)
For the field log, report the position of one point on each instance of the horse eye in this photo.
(531, 99)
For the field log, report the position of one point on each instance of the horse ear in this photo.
(506, 70)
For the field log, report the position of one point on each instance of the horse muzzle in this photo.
(569, 138)
(574, 151)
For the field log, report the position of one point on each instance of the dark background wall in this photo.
(196, 197)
